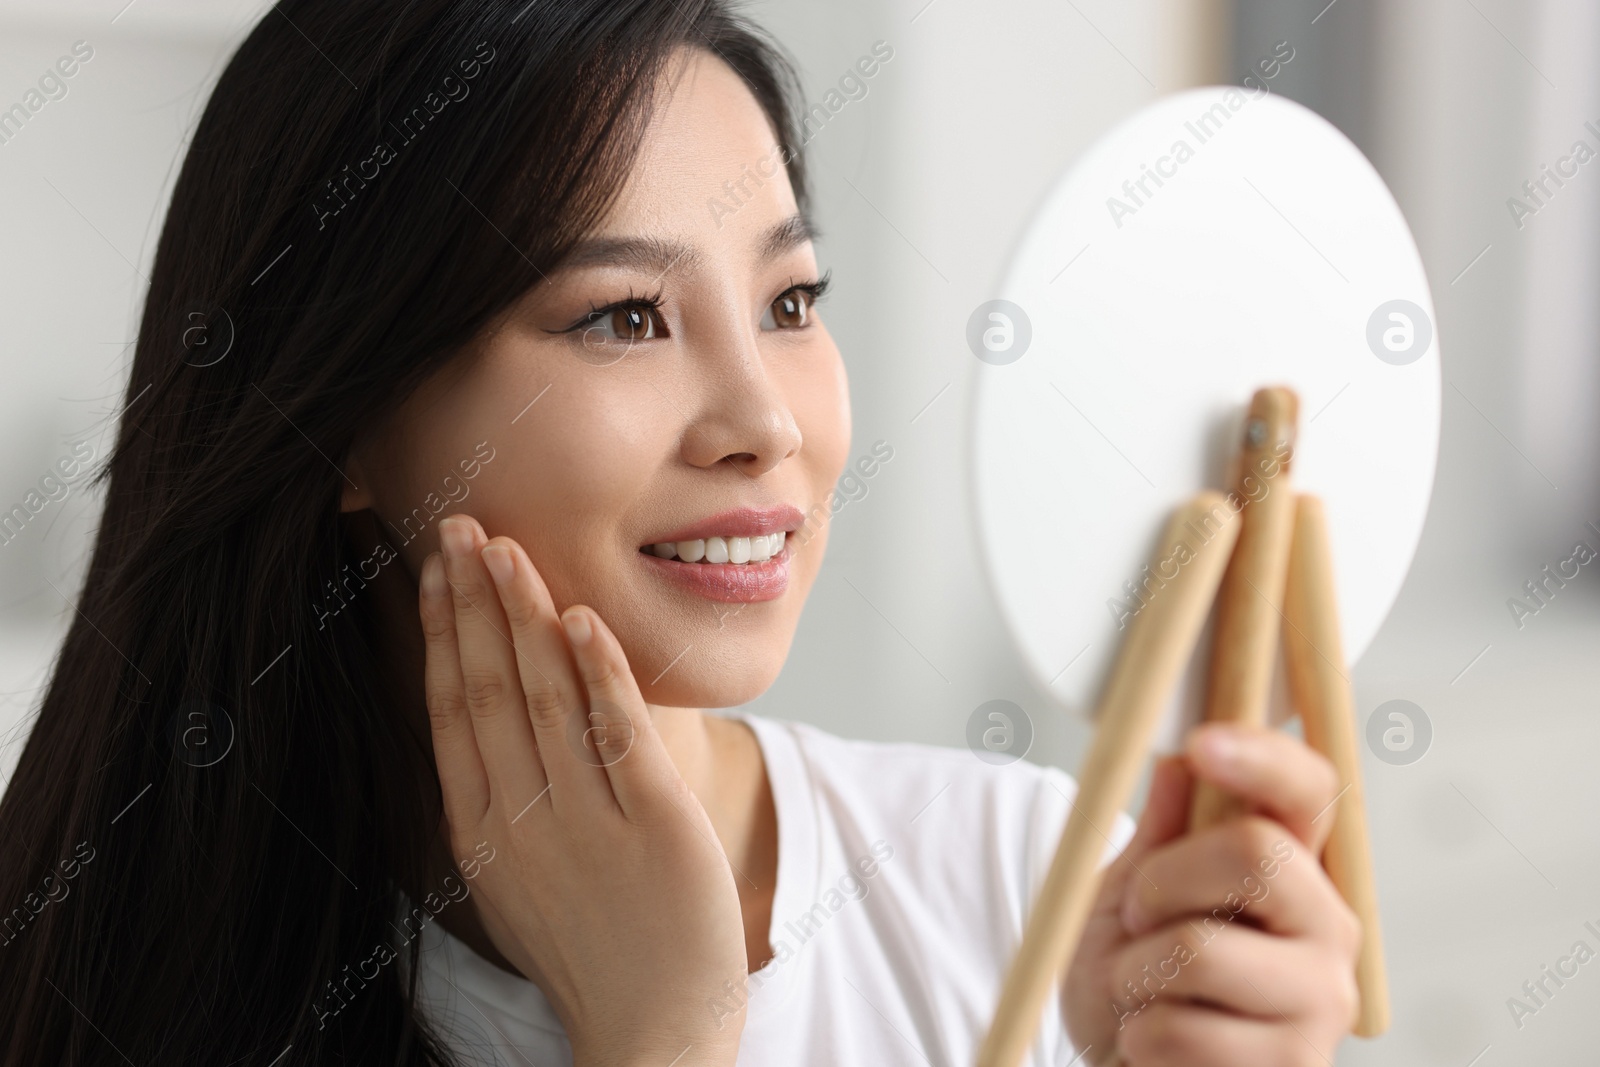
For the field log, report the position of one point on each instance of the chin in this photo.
(721, 669)
(710, 692)
(699, 634)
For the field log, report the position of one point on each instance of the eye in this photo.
(791, 311)
(626, 323)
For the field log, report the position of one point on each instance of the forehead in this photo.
(708, 141)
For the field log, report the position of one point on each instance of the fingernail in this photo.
(501, 566)
(576, 623)
(455, 538)
(433, 583)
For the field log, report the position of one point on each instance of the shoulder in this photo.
(909, 780)
(949, 814)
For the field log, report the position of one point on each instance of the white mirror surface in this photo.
(1214, 242)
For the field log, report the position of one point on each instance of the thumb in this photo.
(1165, 816)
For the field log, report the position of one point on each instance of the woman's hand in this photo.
(609, 889)
(1227, 946)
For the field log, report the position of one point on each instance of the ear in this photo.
(356, 495)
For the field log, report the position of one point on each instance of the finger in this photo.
(489, 677)
(1236, 967)
(623, 733)
(1166, 808)
(1248, 867)
(1178, 1034)
(1165, 816)
(552, 692)
(462, 779)
(1271, 771)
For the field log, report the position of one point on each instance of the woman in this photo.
(469, 453)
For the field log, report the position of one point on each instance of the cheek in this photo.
(561, 483)
(821, 404)
(818, 393)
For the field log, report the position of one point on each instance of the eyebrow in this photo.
(792, 232)
(659, 256)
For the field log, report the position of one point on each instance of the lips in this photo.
(729, 582)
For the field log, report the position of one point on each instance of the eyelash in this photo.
(651, 303)
(815, 289)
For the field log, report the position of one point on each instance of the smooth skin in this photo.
(634, 833)
(597, 828)
(1269, 978)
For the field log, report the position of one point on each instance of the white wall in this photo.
(83, 183)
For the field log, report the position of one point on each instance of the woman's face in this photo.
(721, 414)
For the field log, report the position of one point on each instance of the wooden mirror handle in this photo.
(1244, 645)
(1160, 640)
(1320, 683)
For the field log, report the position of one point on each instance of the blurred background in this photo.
(1487, 849)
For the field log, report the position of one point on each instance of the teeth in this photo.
(723, 549)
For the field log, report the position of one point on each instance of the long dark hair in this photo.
(216, 807)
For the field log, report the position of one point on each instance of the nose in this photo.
(744, 417)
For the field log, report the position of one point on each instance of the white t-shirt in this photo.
(905, 872)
